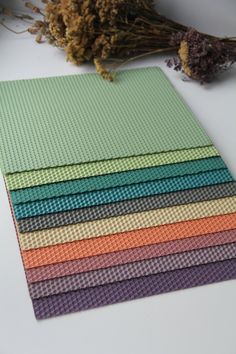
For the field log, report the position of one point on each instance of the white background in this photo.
(194, 321)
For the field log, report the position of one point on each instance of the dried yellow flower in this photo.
(184, 56)
(102, 71)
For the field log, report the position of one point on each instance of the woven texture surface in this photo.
(71, 172)
(49, 116)
(133, 289)
(116, 192)
(115, 180)
(130, 255)
(118, 242)
(132, 270)
(126, 207)
(126, 223)
(111, 195)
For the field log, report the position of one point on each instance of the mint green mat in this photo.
(81, 118)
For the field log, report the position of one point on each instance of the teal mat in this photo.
(115, 180)
(111, 195)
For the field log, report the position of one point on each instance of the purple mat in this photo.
(84, 299)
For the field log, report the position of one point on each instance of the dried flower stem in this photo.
(12, 30)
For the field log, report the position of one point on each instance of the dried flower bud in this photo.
(32, 7)
(102, 71)
(7, 12)
(39, 38)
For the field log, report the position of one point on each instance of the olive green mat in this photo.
(33, 178)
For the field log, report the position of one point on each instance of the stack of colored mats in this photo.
(116, 191)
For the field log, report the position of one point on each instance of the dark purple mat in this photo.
(88, 298)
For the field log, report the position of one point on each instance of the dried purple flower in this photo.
(202, 57)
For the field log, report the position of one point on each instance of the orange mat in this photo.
(117, 242)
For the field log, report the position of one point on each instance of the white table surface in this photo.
(195, 321)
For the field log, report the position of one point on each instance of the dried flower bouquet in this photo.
(99, 31)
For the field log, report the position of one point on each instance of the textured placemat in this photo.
(131, 255)
(133, 289)
(118, 242)
(67, 154)
(126, 207)
(111, 195)
(122, 224)
(115, 180)
(43, 120)
(71, 172)
(132, 270)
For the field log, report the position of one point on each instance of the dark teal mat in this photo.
(115, 180)
(111, 195)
